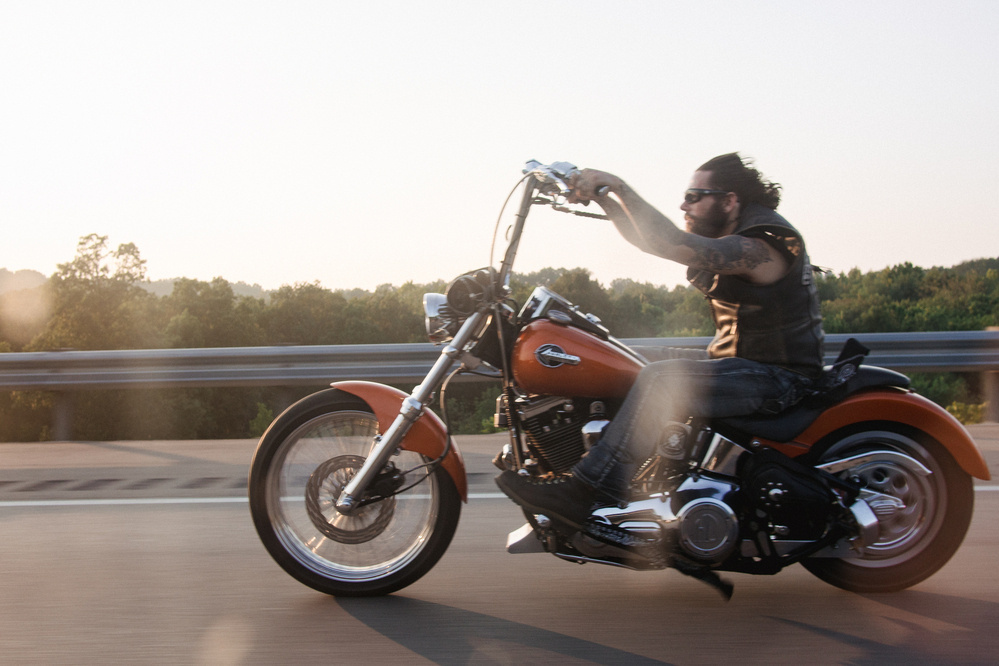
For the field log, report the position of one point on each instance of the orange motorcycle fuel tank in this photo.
(559, 359)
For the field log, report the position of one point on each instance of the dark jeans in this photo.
(672, 391)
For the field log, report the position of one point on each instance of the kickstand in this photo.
(724, 587)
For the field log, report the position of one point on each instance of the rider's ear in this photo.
(730, 202)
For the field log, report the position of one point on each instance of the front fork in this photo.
(385, 445)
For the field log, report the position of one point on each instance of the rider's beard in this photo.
(709, 224)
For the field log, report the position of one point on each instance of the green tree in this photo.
(579, 287)
(389, 314)
(909, 298)
(98, 301)
(209, 314)
(304, 314)
(644, 310)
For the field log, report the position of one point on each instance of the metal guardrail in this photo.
(957, 351)
(215, 367)
(66, 372)
(945, 351)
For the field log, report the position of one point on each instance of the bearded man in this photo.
(751, 265)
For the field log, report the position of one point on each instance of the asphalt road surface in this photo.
(144, 552)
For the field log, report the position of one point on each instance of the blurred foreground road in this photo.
(144, 552)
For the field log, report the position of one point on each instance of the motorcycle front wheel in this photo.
(916, 539)
(301, 465)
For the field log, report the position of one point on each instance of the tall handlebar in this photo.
(540, 177)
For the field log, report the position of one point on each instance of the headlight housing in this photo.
(441, 325)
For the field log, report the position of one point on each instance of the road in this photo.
(143, 552)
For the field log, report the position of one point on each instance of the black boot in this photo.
(563, 498)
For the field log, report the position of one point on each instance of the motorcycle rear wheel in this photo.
(302, 463)
(914, 542)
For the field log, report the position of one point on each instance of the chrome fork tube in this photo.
(506, 268)
(384, 446)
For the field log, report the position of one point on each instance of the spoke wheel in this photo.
(302, 464)
(918, 535)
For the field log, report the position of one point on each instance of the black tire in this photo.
(914, 542)
(303, 461)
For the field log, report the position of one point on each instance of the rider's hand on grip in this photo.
(590, 184)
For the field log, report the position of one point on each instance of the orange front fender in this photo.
(908, 408)
(428, 435)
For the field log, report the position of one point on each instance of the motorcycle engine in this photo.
(554, 430)
(695, 521)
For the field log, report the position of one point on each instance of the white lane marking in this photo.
(125, 502)
(138, 501)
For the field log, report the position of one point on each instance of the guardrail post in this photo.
(990, 387)
(990, 381)
(62, 416)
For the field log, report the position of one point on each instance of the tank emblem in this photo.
(553, 356)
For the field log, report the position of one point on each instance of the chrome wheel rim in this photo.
(904, 532)
(310, 467)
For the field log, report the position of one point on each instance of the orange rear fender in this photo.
(908, 408)
(428, 435)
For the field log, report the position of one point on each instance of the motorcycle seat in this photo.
(792, 422)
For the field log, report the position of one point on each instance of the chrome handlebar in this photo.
(556, 173)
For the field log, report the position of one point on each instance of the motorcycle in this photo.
(357, 490)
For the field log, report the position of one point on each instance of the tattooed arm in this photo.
(651, 231)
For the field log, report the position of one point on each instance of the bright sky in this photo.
(362, 143)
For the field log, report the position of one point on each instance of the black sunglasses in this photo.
(695, 194)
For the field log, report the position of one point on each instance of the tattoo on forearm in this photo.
(728, 255)
(647, 228)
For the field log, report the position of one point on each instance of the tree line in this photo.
(99, 300)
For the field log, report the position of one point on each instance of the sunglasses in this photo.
(695, 194)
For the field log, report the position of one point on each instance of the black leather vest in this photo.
(777, 323)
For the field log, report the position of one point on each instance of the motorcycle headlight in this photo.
(440, 326)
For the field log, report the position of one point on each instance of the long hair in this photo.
(732, 173)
